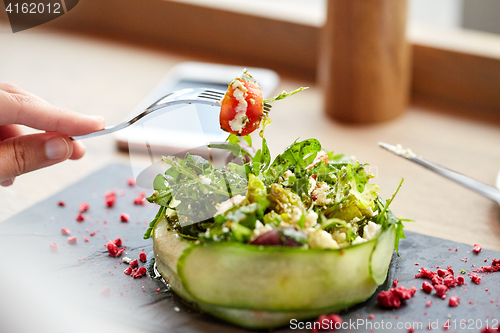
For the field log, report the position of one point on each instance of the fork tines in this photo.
(212, 94)
(267, 107)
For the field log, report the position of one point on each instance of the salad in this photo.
(261, 241)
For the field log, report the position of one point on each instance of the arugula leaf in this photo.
(284, 94)
(386, 218)
(381, 215)
(197, 163)
(149, 232)
(266, 155)
(161, 197)
(159, 182)
(299, 155)
(233, 139)
(248, 139)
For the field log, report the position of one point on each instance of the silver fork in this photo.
(185, 96)
(483, 189)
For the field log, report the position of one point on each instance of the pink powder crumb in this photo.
(72, 240)
(105, 292)
(84, 207)
(454, 301)
(441, 290)
(53, 246)
(141, 271)
(65, 231)
(333, 321)
(476, 278)
(427, 287)
(140, 199)
(110, 201)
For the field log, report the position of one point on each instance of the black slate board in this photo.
(75, 277)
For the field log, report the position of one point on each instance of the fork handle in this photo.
(154, 107)
(483, 189)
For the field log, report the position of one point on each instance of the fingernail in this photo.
(7, 182)
(56, 148)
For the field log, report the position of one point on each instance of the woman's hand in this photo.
(24, 153)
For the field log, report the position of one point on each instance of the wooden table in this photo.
(109, 79)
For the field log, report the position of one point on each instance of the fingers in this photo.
(26, 109)
(26, 153)
(78, 150)
(10, 131)
(14, 89)
(7, 182)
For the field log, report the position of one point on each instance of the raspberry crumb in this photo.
(85, 239)
(65, 231)
(441, 290)
(92, 233)
(113, 249)
(61, 204)
(131, 181)
(80, 217)
(134, 263)
(72, 240)
(371, 316)
(333, 321)
(428, 304)
(476, 278)
(454, 301)
(411, 330)
(143, 257)
(476, 248)
(124, 217)
(158, 290)
(118, 242)
(427, 287)
(141, 271)
(489, 330)
(53, 246)
(140, 199)
(110, 200)
(128, 271)
(388, 299)
(84, 207)
(395, 283)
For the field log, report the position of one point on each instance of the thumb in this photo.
(26, 153)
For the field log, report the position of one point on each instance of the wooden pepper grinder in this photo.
(365, 60)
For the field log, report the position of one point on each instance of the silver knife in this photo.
(481, 188)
